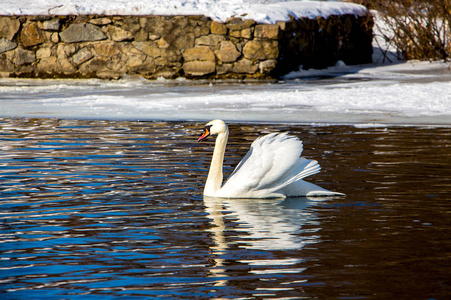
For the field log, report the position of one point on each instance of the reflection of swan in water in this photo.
(263, 224)
(272, 168)
(266, 224)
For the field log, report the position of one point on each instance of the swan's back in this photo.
(272, 163)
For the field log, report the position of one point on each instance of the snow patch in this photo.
(218, 10)
(409, 93)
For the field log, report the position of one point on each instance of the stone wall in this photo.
(109, 47)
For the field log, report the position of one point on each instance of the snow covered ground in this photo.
(406, 93)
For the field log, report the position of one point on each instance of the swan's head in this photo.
(214, 127)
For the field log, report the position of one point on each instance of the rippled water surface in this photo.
(114, 209)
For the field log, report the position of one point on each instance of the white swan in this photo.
(272, 168)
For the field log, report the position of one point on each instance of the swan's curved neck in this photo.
(215, 177)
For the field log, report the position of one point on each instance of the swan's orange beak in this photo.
(205, 134)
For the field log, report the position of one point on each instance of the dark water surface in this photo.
(114, 209)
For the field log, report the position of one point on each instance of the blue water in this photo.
(114, 210)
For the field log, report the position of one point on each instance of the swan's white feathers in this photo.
(272, 163)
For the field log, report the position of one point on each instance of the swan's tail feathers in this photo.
(304, 188)
(311, 167)
(303, 168)
(306, 167)
(299, 187)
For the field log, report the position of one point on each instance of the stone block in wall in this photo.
(224, 69)
(6, 64)
(101, 21)
(117, 63)
(55, 38)
(261, 50)
(181, 23)
(52, 25)
(146, 68)
(218, 28)
(63, 51)
(267, 31)
(267, 66)
(44, 52)
(107, 49)
(158, 25)
(118, 34)
(66, 67)
(49, 65)
(211, 40)
(247, 33)
(202, 53)
(199, 68)
(170, 57)
(253, 50)
(82, 56)
(200, 24)
(93, 66)
(23, 57)
(143, 35)
(235, 33)
(271, 49)
(245, 66)
(9, 27)
(31, 35)
(6, 45)
(238, 24)
(200, 31)
(184, 41)
(82, 32)
(136, 60)
(227, 52)
(108, 74)
(66, 50)
(149, 48)
(131, 24)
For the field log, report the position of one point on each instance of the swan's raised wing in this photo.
(272, 163)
